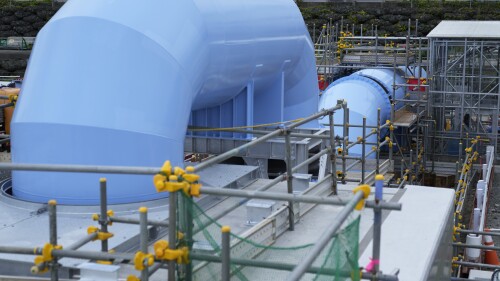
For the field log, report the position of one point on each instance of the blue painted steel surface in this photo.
(114, 83)
(365, 91)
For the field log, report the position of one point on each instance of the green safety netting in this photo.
(338, 260)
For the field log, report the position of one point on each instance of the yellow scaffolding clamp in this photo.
(173, 180)
(143, 260)
(133, 278)
(366, 192)
(44, 258)
(100, 235)
(162, 252)
(110, 213)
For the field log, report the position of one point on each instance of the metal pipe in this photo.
(80, 168)
(363, 152)
(103, 218)
(136, 221)
(154, 268)
(314, 199)
(326, 237)
(289, 179)
(89, 255)
(333, 154)
(235, 151)
(475, 246)
(143, 241)
(54, 266)
(257, 132)
(287, 267)
(470, 264)
(225, 254)
(377, 166)
(345, 139)
(377, 222)
(172, 232)
(78, 244)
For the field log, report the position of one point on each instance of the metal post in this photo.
(411, 166)
(333, 154)
(377, 168)
(172, 232)
(307, 261)
(460, 148)
(345, 138)
(289, 178)
(103, 219)
(377, 223)
(363, 152)
(391, 132)
(54, 266)
(225, 254)
(143, 234)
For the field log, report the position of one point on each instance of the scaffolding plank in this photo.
(404, 118)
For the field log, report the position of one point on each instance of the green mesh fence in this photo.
(338, 260)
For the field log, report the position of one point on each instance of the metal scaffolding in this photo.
(464, 91)
(174, 256)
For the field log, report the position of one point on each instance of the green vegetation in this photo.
(392, 18)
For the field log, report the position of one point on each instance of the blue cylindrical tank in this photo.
(365, 91)
(114, 82)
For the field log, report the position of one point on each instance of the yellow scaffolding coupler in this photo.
(45, 257)
(179, 179)
(110, 213)
(162, 252)
(133, 278)
(143, 260)
(100, 235)
(339, 151)
(366, 192)
(13, 98)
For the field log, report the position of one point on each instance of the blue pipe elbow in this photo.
(115, 82)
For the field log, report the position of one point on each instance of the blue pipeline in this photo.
(118, 82)
(365, 92)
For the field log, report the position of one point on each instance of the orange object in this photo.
(8, 111)
(490, 256)
(322, 84)
(415, 81)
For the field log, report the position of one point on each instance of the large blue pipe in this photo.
(365, 92)
(115, 82)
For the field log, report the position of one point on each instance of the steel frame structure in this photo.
(465, 92)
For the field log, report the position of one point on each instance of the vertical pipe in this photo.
(103, 219)
(391, 132)
(143, 224)
(345, 140)
(54, 266)
(480, 188)
(172, 232)
(361, 34)
(485, 171)
(363, 152)
(314, 33)
(377, 223)
(460, 148)
(333, 154)
(186, 226)
(416, 30)
(411, 167)
(225, 254)
(377, 168)
(289, 178)
(477, 219)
